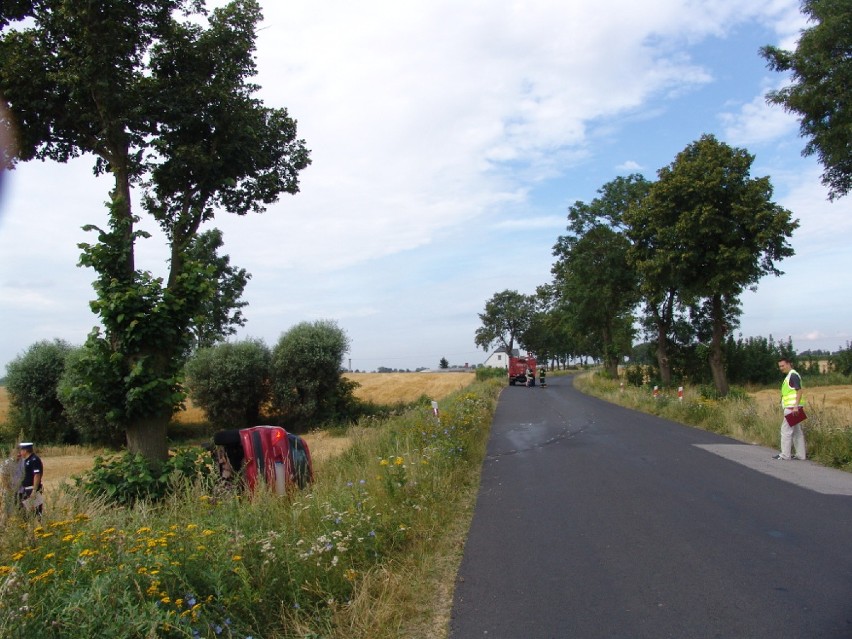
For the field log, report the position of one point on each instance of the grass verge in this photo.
(370, 550)
(828, 429)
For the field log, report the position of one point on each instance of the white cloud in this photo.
(757, 122)
(433, 127)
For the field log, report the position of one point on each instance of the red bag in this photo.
(795, 417)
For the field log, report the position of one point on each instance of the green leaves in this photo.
(821, 69)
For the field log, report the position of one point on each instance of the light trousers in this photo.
(792, 437)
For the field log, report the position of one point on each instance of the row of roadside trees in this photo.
(670, 257)
(674, 256)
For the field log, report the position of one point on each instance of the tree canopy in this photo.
(506, 318)
(821, 89)
(710, 230)
(158, 92)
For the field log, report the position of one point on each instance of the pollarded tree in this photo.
(715, 232)
(158, 92)
(507, 317)
(821, 90)
(32, 380)
(230, 382)
(308, 386)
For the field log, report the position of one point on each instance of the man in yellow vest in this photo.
(791, 402)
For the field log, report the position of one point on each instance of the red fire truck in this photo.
(518, 370)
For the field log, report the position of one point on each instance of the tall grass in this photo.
(828, 430)
(346, 558)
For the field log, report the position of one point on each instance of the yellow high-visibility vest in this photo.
(788, 393)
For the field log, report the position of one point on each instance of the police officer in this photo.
(31, 485)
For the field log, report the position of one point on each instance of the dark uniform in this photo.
(542, 377)
(33, 473)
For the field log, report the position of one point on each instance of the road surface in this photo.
(596, 521)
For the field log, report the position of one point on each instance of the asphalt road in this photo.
(596, 521)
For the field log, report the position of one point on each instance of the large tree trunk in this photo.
(663, 353)
(717, 364)
(148, 438)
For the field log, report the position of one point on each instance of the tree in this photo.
(307, 376)
(32, 380)
(163, 103)
(597, 289)
(507, 316)
(443, 363)
(714, 232)
(821, 90)
(230, 382)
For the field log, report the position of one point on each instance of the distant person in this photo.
(31, 484)
(542, 376)
(791, 402)
(530, 377)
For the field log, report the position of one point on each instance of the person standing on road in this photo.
(542, 376)
(31, 485)
(791, 402)
(530, 377)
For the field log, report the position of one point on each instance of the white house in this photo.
(500, 358)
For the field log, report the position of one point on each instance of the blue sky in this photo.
(448, 141)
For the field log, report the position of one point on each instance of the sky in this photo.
(448, 140)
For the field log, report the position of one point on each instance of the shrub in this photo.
(32, 380)
(83, 405)
(307, 380)
(230, 382)
(127, 479)
(489, 372)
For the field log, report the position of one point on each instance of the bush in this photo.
(841, 361)
(490, 372)
(307, 380)
(127, 479)
(32, 380)
(230, 382)
(83, 405)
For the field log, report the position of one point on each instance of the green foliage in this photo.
(129, 478)
(32, 380)
(506, 318)
(819, 94)
(308, 386)
(84, 405)
(230, 382)
(708, 230)
(444, 363)
(841, 361)
(635, 375)
(755, 360)
(596, 287)
(484, 373)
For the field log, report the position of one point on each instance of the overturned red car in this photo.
(266, 454)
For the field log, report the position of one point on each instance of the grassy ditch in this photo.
(828, 429)
(370, 550)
